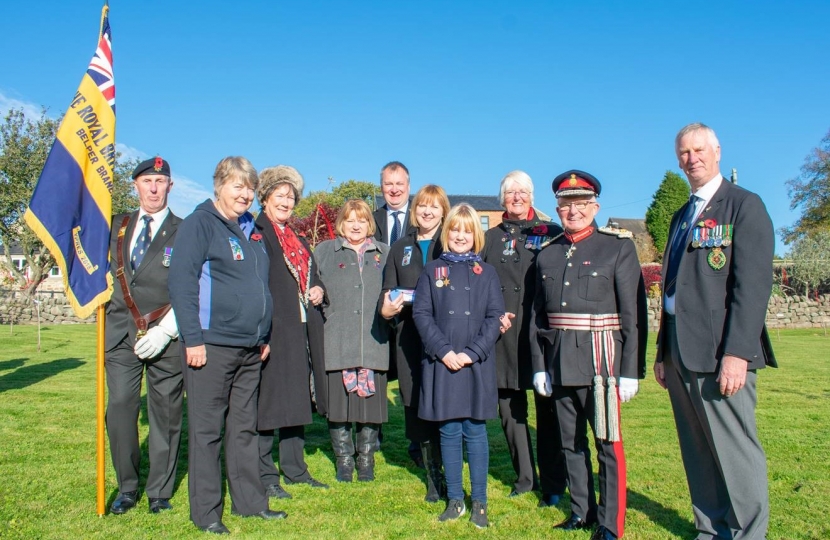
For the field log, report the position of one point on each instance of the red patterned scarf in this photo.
(297, 259)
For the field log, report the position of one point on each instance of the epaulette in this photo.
(619, 233)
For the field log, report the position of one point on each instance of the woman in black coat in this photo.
(457, 308)
(511, 247)
(406, 260)
(293, 378)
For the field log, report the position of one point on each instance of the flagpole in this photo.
(99, 405)
(99, 376)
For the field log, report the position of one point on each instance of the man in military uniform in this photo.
(588, 345)
(141, 337)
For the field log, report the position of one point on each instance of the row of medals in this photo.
(705, 237)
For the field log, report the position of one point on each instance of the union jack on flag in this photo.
(100, 67)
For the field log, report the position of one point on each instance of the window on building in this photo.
(55, 272)
(20, 264)
(485, 223)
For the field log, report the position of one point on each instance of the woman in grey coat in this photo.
(356, 339)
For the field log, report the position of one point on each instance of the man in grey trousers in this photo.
(717, 276)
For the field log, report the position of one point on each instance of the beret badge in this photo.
(158, 164)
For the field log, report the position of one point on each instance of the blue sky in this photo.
(462, 92)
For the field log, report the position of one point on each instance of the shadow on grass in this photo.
(28, 375)
(12, 364)
(661, 515)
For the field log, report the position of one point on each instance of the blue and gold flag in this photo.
(71, 206)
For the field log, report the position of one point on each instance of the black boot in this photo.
(436, 485)
(367, 440)
(341, 443)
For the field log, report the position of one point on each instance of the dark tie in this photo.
(678, 244)
(142, 243)
(396, 228)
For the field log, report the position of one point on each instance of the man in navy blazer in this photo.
(717, 276)
(141, 246)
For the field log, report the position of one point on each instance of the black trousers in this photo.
(575, 409)
(164, 413)
(553, 475)
(223, 393)
(291, 456)
(513, 415)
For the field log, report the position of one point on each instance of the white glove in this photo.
(153, 342)
(541, 382)
(628, 388)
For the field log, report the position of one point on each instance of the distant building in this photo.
(636, 226)
(53, 282)
(487, 206)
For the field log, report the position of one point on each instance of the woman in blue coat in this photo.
(458, 303)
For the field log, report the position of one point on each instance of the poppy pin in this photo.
(477, 269)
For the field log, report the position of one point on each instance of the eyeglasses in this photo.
(581, 205)
(511, 194)
(280, 197)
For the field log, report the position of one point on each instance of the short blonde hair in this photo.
(429, 194)
(273, 177)
(234, 167)
(463, 217)
(361, 211)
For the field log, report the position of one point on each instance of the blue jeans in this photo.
(474, 433)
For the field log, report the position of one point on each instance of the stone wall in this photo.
(782, 312)
(54, 309)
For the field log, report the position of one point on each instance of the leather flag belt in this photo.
(142, 322)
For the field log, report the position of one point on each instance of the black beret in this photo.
(154, 165)
(576, 182)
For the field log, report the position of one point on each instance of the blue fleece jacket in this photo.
(218, 281)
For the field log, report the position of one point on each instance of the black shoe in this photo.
(603, 534)
(275, 490)
(575, 523)
(515, 493)
(455, 509)
(478, 515)
(216, 528)
(159, 505)
(310, 481)
(345, 469)
(124, 502)
(266, 514)
(549, 499)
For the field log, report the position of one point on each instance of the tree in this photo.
(811, 259)
(350, 189)
(24, 146)
(669, 197)
(644, 244)
(810, 191)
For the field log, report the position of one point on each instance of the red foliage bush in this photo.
(652, 277)
(318, 226)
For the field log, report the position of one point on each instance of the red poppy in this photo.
(477, 269)
(540, 230)
(341, 265)
(256, 237)
(711, 223)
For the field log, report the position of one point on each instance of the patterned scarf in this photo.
(297, 259)
(360, 380)
(468, 257)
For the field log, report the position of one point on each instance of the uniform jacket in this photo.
(722, 311)
(219, 281)
(148, 285)
(284, 392)
(461, 317)
(355, 333)
(602, 276)
(382, 227)
(516, 272)
(403, 268)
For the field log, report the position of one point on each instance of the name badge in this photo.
(236, 249)
(407, 256)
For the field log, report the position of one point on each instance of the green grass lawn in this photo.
(47, 461)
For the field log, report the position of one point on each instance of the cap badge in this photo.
(158, 164)
(572, 181)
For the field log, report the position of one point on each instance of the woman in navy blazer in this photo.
(458, 303)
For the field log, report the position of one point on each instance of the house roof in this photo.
(485, 203)
(635, 225)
